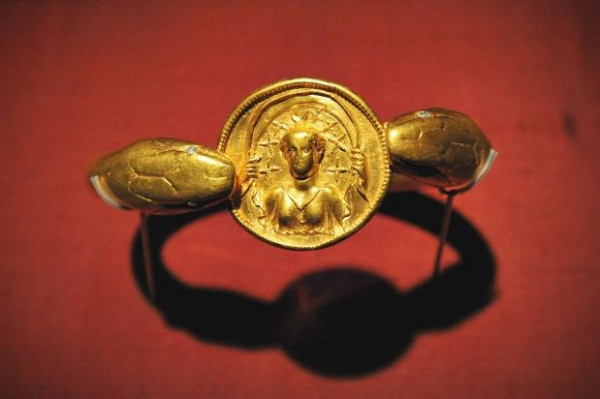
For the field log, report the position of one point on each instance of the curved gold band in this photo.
(437, 147)
(287, 132)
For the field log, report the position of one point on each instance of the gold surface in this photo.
(311, 159)
(439, 147)
(304, 163)
(163, 176)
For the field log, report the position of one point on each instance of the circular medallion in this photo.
(311, 161)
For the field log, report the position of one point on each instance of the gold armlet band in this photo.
(304, 163)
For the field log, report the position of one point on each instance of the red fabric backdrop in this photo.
(80, 79)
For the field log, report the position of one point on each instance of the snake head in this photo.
(439, 147)
(163, 176)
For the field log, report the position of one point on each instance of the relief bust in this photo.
(312, 162)
(304, 207)
(304, 204)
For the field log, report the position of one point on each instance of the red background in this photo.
(80, 79)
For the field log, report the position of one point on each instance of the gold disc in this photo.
(311, 161)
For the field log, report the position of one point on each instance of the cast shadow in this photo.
(338, 321)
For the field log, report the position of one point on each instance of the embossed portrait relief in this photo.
(311, 173)
(305, 173)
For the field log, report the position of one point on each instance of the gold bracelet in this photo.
(303, 162)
